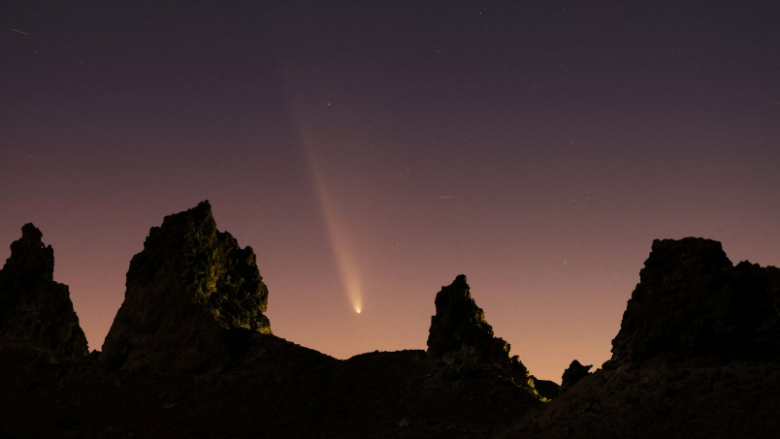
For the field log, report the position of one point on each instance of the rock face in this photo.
(34, 308)
(462, 338)
(187, 292)
(692, 302)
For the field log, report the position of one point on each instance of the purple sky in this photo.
(371, 151)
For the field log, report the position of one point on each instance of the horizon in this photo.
(371, 152)
(358, 311)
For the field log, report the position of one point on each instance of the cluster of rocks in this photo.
(194, 309)
(697, 328)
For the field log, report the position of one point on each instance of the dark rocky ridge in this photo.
(33, 308)
(186, 364)
(677, 371)
(190, 293)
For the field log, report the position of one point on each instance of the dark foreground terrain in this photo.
(191, 354)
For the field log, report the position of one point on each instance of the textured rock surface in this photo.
(691, 301)
(462, 338)
(34, 308)
(186, 291)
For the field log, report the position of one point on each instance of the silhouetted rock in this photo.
(462, 338)
(696, 356)
(190, 293)
(664, 399)
(691, 301)
(34, 308)
(575, 372)
(465, 386)
(547, 389)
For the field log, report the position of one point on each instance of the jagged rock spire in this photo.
(461, 337)
(34, 308)
(459, 328)
(189, 284)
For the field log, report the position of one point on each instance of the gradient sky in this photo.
(370, 151)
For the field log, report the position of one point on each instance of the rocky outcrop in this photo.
(696, 356)
(195, 300)
(575, 372)
(692, 302)
(33, 308)
(461, 337)
(190, 294)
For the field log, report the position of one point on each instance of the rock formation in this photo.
(189, 293)
(33, 308)
(696, 356)
(462, 338)
(575, 372)
(691, 301)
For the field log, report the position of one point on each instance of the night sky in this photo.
(371, 151)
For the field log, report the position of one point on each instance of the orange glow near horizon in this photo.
(370, 155)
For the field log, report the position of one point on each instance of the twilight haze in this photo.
(370, 151)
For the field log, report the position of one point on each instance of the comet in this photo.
(18, 31)
(341, 240)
